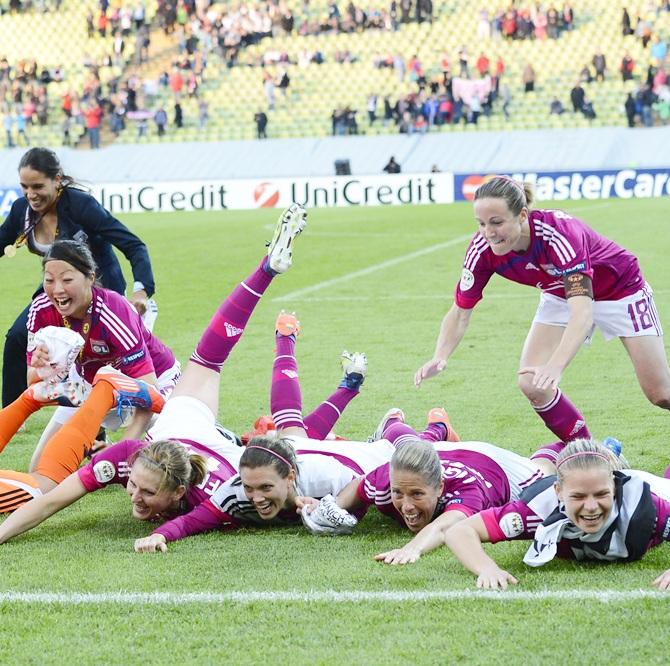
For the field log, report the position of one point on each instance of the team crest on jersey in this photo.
(467, 279)
(104, 471)
(511, 525)
(99, 347)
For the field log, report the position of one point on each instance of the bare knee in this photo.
(537, 397)
(659, 399)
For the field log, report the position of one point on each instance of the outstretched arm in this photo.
(452, 330)
(429, 538)
(38, 510)
(465, 542)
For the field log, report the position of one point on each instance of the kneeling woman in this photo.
(588, 511)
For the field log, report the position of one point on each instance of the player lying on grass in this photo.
(278, 474)
(589, 511)
(169, 478)
(432, 481)
(585, 280)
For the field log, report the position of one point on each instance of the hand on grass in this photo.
(663, 581)
(154, 543)
(494, 578)
(404, 555)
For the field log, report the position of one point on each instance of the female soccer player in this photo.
(156, 488)
(54, 207)
(586, 280)
(279, 475)
(112, 330)
(589, 511)
(432, 481)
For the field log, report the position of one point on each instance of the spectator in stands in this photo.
(283, 81)
(483, 65)
(269, 88)
(659, 48)
(93, 117)
(506, 99)
(631, 109)
(556, 107)
(662, 106)
(203, 113)
(647, 100)
(577, 96)
(599, 63)
(388, 111)
(372, 108)
(540, 23)
(463, 62)
(483, 26)
(392, 166)
(528, 78)
(178, 115)
(626, 28)
(588, 110)
(261, 120)
(399, 66)
(21, 128)
(421, 124)
(585, 75)
(8, 124)
(627, 67)
(553, 23)
(160, 118)
(568, 17)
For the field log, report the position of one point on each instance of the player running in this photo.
(586, 280)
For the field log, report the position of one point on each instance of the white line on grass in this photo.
(347, 277)
(331, 596)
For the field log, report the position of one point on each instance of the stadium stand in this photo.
(222, 64)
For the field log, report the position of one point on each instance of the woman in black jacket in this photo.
(53, 208)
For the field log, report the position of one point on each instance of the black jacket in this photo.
(82, 218)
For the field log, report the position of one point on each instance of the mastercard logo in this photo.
(266, 195)
(471, 183)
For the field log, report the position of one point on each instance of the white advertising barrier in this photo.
(172, 196)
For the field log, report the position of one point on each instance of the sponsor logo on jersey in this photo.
(578, 268)
(232, 331)
(551, 270)
(666, 529)
(467, 279)
(291, 374)
(99, 347)
(266, 195)
(104, 471)
(511, 525)
(133, 357)
(531, 267)
(455, 500)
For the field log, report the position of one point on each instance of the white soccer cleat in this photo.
(67, 394)
(289, 226)
(328, 519)
(393, 413)
(355, 367)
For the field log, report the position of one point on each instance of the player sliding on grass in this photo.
(277, 475)
(585, 280)
(190, 456)
(589, 511)
(433, 481)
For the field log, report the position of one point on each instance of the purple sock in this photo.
(434, 432)
(227, 325)
(323, 419)
(285, 396)
(563, 418)
(399, 433)
(549, 452)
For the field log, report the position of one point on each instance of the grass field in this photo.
(379, 281)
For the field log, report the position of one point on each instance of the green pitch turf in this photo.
(376, 280)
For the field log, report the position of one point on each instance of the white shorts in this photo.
(367, 455)
(657, 484)
(166, 382)
(628, 317)
(520, 471)
(184, 417)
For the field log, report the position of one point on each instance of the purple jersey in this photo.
(471, 482)
(111, 467)
(520, 519)
(559, 245)
(116, 336)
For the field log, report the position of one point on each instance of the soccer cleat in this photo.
(67, 394)
(355, 367)
(263, 425)
(129, 392)
(394, 413)
(287, 324)
(439, 415)
(615, 447)
(280, 249)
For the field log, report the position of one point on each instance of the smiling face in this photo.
(269, 492)
(503, 231)
(144, 490)
(413, 498)
(68, 289)
(40, 190)
(588, 495)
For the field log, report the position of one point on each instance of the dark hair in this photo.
(74, 253)
(517, 195)
(276, 452)
(45, 161)
(176, 464)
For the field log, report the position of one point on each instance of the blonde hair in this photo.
(517, 195)
(584, 454)
(173, 461)
(418, 457)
